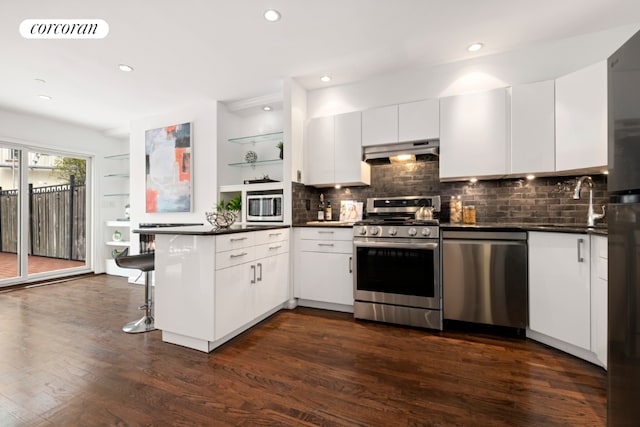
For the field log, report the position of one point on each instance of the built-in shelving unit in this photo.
(117, 191)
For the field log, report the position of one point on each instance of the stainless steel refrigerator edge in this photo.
(623, 404)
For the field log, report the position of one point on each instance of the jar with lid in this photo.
(469, 214)
(455, 210)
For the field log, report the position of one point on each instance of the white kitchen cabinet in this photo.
(323, 270)
(320, 151)
(250, 280)
(334, 151)
(474, 135)
(581, 118)
(411, 121)
(380, 125)
(533, 128)
(559, 287)
(599, 297)
(419, 120)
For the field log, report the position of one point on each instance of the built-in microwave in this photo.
(264, 206)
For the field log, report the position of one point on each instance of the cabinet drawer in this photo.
(327, 233)
(273, 248)
(228, 242)
(268, 236)
(234, 257)
(330, 246)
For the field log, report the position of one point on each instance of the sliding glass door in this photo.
(43, 208)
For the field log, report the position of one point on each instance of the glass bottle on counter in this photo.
(327, 212)
(455, 210)
(321, 208)
(470, 214)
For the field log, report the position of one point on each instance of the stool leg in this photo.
(144, 324)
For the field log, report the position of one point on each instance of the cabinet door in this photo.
(581, 118)
(599, 298)
(533, 148)
(419, 120)
(349, 168)
(473, 134)
(380, 125)
(272, 284)
(320, 152)
(325, 277)
(559, 289)
(234, 298)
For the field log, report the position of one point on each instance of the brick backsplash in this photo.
(542, 200)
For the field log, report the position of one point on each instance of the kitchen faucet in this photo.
(591, 215)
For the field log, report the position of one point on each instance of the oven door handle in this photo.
(397, 245)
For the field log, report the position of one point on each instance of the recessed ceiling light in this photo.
(267, 108)
(475, 47)
(126, 68)
(45, 97)
(325, 78)
(271, 15)
(40, 80)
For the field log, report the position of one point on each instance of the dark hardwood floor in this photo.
(65, 362)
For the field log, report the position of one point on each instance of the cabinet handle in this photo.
(325, 232)
(350, 264)
(580, 258)
(237, 239)
(237, 255)
(275, 234)
(253, 268)
(260, 276)
(274, 247)
(325, 244)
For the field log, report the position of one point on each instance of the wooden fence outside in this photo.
(57, 221)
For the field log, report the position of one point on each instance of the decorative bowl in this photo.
(222, 219)
(251, 157)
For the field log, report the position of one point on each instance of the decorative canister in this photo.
(470, 214)
(455, 210)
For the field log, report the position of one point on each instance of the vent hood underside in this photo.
(388, 150)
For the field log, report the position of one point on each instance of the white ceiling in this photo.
(187, 51)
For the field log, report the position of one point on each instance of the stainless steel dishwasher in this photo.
(484, 277)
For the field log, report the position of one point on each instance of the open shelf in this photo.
(117, 175)
(265, 137)
(117, 195)
(257, 162)
(123, 156)
(120, 243)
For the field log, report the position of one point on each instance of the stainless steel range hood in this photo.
(389, 150)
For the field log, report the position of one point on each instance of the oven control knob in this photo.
(412, 231)
(393, 231)
(363, 231)
(426, 232)
(374, 231)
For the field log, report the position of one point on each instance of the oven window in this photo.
(396, 271)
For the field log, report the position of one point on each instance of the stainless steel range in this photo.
(397, 262)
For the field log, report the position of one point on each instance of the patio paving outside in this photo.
(37, 264)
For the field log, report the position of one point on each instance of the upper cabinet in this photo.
(474, 137)
(533, 128)
(581, 118)
(334, 152)
(412, 121)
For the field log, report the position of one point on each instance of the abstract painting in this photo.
(168, 169)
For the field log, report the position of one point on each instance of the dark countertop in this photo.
(599, 229)
(207, 230)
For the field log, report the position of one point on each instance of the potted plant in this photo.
(280, 145)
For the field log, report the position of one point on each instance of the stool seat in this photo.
(146, 263)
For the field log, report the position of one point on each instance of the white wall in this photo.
(59, 137)
(535, 63)
(204, 154)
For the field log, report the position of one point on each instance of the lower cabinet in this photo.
(323, 267)
(599, 297)
(567, 305)
(256, 285)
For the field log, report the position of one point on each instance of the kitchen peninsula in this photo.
(211, 285)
